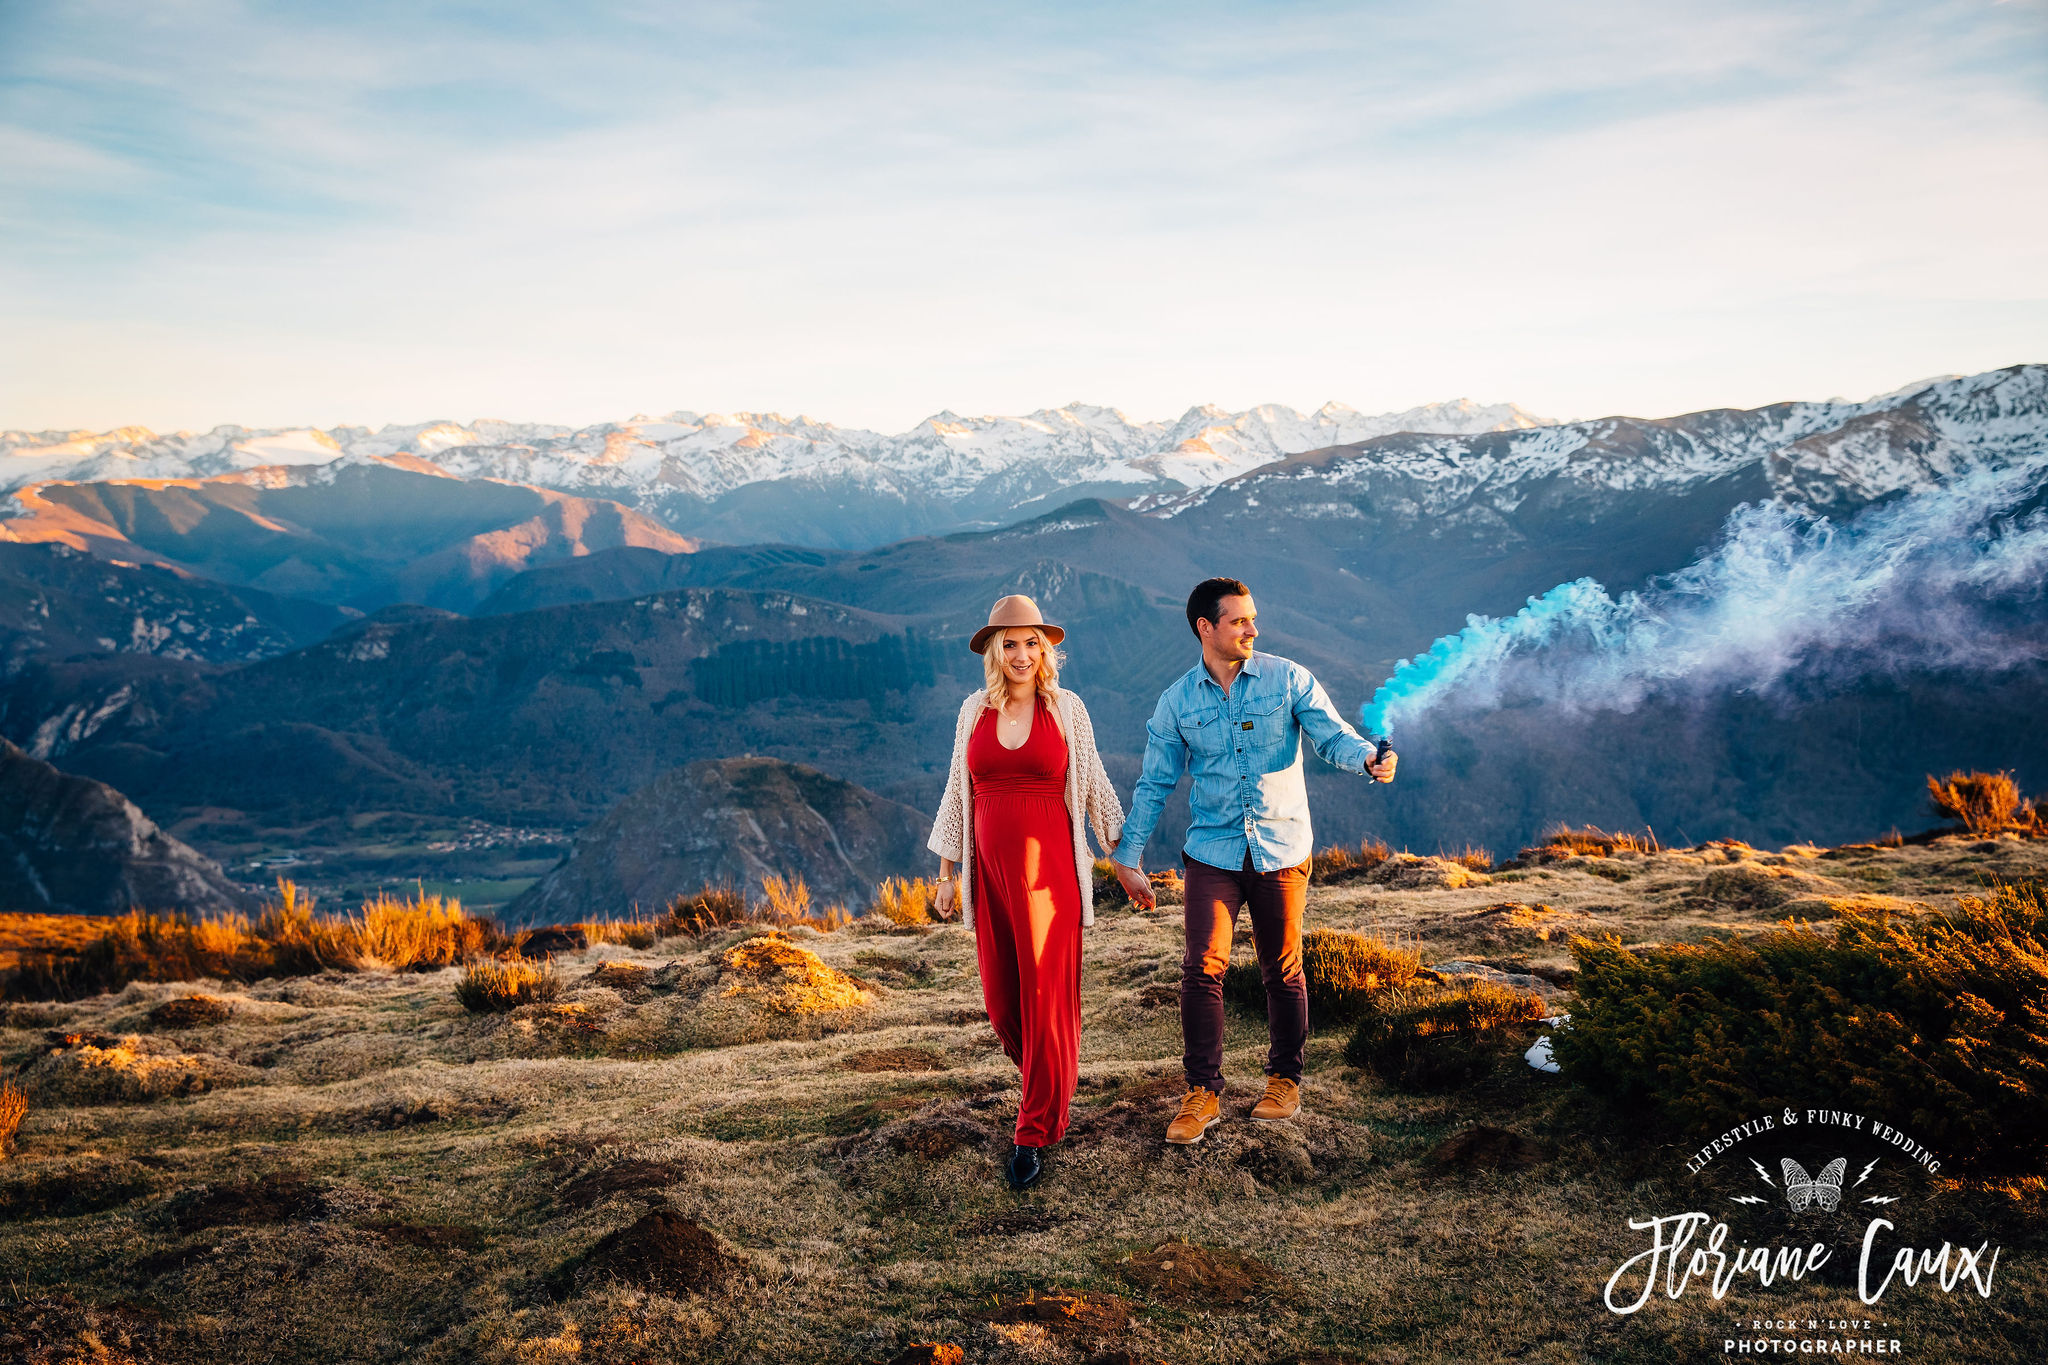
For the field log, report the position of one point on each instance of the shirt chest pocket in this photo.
(1204, 734)
(1266, 725)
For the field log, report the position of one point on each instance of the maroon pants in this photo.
(1276, 900)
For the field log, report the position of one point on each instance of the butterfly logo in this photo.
(1824, 1189)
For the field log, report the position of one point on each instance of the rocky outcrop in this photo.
(69, 845)
(729, 821)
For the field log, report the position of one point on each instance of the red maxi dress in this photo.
(1027, 914)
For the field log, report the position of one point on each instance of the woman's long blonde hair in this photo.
(992, 668)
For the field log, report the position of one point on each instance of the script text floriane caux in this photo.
(1668, 1257)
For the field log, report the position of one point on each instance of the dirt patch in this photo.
(426, 1236)
(623, 1178)
(627, 978)
(1013, 1223)
(59, 1330)
(1065, 1314)
(896, 1059)
(256, 1202)
(663, 1252)
(1158, 996)
(70, 1189)
(936, 1139)
(192, 1011)
(1183, 1272)
(1486, 1148)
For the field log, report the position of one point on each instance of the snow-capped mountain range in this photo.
(1818, 454)
(761, 477)
(720, 474)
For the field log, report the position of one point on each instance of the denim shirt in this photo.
(1243, 753)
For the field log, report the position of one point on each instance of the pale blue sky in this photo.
(219, 212)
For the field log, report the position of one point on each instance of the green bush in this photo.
(1435, 1039)
(1344, 970)
(1933, 1024)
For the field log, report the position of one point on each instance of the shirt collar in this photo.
(1199, 674)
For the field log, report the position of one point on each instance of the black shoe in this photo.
(1025, 1168)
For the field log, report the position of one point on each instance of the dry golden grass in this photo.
(288, 937)
(908, 901)
(1983, 803)
(43, 934)
(1338, 863)
(1588, 841)
(13, 1108)
(708, 908)
(494, 987)
(638, 931)
(426, 931)
(406, 1181)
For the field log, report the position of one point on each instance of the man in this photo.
(1235, 723)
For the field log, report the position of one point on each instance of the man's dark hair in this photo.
(1205, 603)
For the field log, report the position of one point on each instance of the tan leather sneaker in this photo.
(1282, 1100)
(1200, 1109)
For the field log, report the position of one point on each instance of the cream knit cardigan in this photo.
(1091, 800)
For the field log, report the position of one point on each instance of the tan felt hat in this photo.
(1009, 613)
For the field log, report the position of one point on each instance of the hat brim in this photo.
(1053, 634)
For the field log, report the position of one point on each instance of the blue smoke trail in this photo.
(1782, 586)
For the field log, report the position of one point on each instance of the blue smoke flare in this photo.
(1781, 587)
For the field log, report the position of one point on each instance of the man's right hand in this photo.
(1137, 886)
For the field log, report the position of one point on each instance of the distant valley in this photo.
(357, 660)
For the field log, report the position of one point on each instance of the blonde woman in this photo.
(1012, 846)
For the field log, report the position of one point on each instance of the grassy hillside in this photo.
(359, 1169)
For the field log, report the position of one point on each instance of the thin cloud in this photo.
(389, 215)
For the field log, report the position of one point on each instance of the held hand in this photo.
(1383, 771)
(1137, 886)
(948, 894)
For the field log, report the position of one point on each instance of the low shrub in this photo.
(1472, 857)
(635, 931)
(1345, 972)
(1983, 803)
(493, 987)
(13, 1109)
(287, 938)
(1588, 841)
(1340, 864)
(421, 934)
(709, 907)
(908, 901)
(140, 946)
(1438, 1038)
(301, 943)
(1931, 1023)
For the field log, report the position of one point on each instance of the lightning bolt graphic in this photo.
(1882, 1199)
(1748, 1199)
(1866, 1172)
(1762, 1172)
